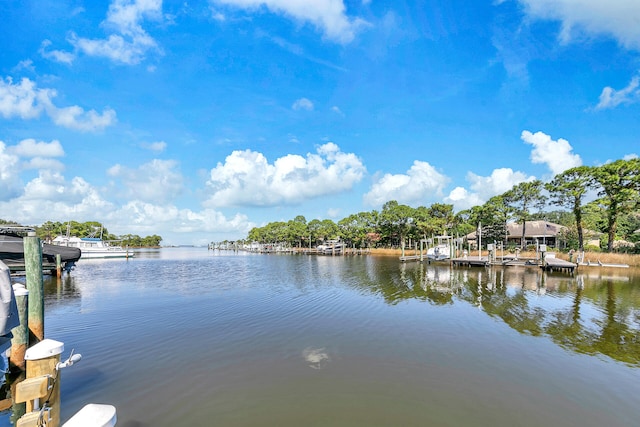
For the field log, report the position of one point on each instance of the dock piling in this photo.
(35, 286)
(20, 340)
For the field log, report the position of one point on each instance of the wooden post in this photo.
(58, 265)
(35, 286)
(42, 360)
(20, 340)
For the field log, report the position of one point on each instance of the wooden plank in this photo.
(31, 419)
(32, 388)
(5, 404)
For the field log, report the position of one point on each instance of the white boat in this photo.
(93, 247)
(332, 247)
(442, 250)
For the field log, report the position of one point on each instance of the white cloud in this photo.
(130, 42)
(485, 187)
(328, 15)
(500, 181)
(421, 182)
(50, 197)
(10, 185)
(337, 110)
(461, 198)
(158, 181)
(302, 104)
(610, 98)
(247, 179)
(615, 18)
(40, 154)
(26, 64)
(146, 218)
(630, 156)
(42, 163)
(32, 148)
(26, 101)
(557, 155)
(21, 99)
(333, 212)
(157, 147)
(55, 55)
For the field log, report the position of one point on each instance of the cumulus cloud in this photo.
(55, 55)
(302, 104)
(50, 196)
(26, 101)
(129, 42)
(10, 185)
(158, 181)
(327, 15)
(557, 155)
(32, 148)
(610, 98)
(485, 187)
(21, 99)
(157, 147)
(145, 218)
(421, 182)
(39, 153)
(615, 18)
(246, 178)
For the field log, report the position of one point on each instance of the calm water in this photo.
(186, 337)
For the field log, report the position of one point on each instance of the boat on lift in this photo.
(442, 250)
(12, 249)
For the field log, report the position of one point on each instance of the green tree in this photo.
(396, 220)
(493, 217)
(297, 230)
(356, 227)
(568, 189)
(619, 184)
(522, 198)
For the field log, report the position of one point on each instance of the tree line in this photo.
(49, 230)
(613, 214)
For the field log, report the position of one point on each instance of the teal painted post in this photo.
(35, 286)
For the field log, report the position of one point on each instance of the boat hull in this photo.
(12, 249)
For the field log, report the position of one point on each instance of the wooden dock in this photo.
(471, 261)
(556, 264)
(18, 267)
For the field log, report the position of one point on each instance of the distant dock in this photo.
(471, 261)
(548, 264)
(556, 264)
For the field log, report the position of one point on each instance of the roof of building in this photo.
(532, 229)
(535, 229)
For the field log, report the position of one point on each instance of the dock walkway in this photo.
(556, 264)
(471, 261)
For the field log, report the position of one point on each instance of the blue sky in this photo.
(199, 120)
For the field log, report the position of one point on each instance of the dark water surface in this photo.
(189, 337)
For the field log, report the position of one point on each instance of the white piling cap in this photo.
(93, 415)
(45, 348)
(19, 290)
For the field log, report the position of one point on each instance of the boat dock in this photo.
(19, 268)
(547, 264)
(556, 264)
(471, 261)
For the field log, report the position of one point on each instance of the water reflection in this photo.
(596, 313)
